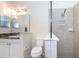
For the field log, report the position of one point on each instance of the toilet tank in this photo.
(40, 38)
(39, 42)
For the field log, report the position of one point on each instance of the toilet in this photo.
(36, 51)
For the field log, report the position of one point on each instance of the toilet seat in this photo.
(36, 52)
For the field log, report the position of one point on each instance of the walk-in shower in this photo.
(62, 22)
(65, 25)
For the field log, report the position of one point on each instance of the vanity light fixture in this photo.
(13, 12)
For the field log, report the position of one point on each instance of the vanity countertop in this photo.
(9, 36)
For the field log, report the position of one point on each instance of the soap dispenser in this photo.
(25, 29)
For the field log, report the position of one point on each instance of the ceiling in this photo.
(56, 4)
(64, 4)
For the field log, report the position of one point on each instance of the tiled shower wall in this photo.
(61, 25)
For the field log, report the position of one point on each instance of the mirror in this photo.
(23, 21)
(14, 23)
(18, 24)
(4, 21)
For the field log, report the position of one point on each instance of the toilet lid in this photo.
(36, 50)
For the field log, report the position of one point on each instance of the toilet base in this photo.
(37, 57)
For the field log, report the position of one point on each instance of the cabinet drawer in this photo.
(53, 51)
(4, 50)
(50, 49)
(47, 51)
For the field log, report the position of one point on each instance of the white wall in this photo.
(39, 18)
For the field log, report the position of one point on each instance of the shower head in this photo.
(63, 14)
